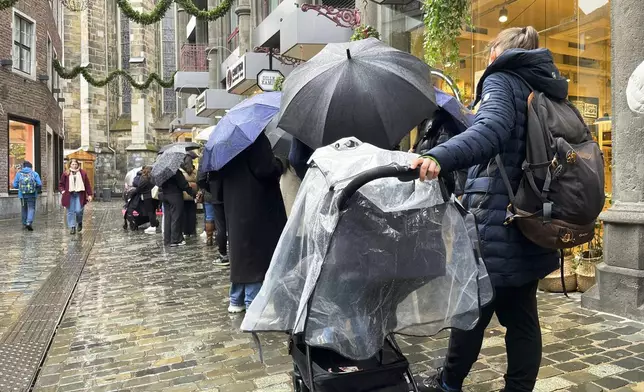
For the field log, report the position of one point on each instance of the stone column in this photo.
(85, 101)
(214, 44)
(243, 13)
(620, 279)
(368, 12)
(143, 45)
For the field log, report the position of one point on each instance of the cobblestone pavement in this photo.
(145, 319)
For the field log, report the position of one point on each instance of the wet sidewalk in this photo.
(145, 319)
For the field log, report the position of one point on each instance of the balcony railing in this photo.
(193, 58)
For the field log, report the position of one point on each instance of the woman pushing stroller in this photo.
(515, 264)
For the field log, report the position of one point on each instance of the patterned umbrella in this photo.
(166, 165)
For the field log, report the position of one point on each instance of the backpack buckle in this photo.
(571, 156)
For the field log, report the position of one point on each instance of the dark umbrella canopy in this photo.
(166, 166)
(365, 89)
(280, 140)
(181, 146)
(463, 117)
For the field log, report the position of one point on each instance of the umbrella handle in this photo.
(450, 83)
(403, 173)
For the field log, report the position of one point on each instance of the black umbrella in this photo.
(280, 140)
(365, 89)
(189, 146)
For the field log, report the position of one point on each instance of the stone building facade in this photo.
(123, 127)
(31, 121)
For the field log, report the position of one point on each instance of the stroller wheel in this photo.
(298, 384)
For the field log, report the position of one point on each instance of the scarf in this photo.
(76, 183)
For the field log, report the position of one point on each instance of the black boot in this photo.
(80, 227)
(73, 231)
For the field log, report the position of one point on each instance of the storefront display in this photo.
(577, 33)
(22, 147)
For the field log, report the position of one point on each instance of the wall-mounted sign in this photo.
(266, 79)
(587, 106)
(236, 73)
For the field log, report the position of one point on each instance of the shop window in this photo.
(22, 147)
(24, 43)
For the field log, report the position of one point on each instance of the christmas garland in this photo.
(148, 18)
(4, 4)
(78, 70)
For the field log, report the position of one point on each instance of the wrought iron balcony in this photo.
(193, 58)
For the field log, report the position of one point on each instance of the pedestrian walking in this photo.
(76, 192)
(189, 217)
(255, 217)
(173, 205)
(514, 263)
(144, 192)
(28, 184)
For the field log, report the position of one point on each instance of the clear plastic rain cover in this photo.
(397, 259)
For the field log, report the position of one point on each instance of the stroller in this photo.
(368, 252)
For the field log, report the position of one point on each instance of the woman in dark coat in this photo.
(144, 191)
(255, 216)
(514, 263)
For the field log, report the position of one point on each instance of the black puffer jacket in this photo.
(500, 128)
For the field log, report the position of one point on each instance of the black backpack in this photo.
(561, 193)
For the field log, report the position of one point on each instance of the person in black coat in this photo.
(514, 263)
(255, 216)
(173, 208)
(144, 188)
(211, 183)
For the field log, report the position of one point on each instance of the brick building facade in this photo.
(31, 121)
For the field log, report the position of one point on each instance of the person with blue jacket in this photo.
(28, 183)
(514, 263)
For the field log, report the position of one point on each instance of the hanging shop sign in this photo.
(236, 73)
(266, 79)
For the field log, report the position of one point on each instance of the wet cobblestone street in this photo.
(147, 319)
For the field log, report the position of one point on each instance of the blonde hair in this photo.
(516, 38)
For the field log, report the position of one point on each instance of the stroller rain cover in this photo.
(397, 258)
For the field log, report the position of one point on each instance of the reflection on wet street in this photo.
(147, 319)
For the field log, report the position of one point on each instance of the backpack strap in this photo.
(504, 176)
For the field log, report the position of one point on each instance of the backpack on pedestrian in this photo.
(27, 183)
(561, 193)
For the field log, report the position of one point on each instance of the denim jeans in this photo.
(243, 293)
(74, 211)
(209, 212)
(28, 209)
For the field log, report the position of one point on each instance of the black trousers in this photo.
(189, 217)
(221, 237)
(150, 207)
(173, 218)
(516, 309)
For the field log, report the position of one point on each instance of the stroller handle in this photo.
(403, 173)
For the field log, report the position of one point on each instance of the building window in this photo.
(22, 147)
(23, 43)
(126, 88)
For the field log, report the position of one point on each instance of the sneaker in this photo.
(80, 227)
(222, 261)
(28, 227)
(434, 384)
(182, 243)
(203, 234)
(72, 231)
(150, 230)
(236, 309)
